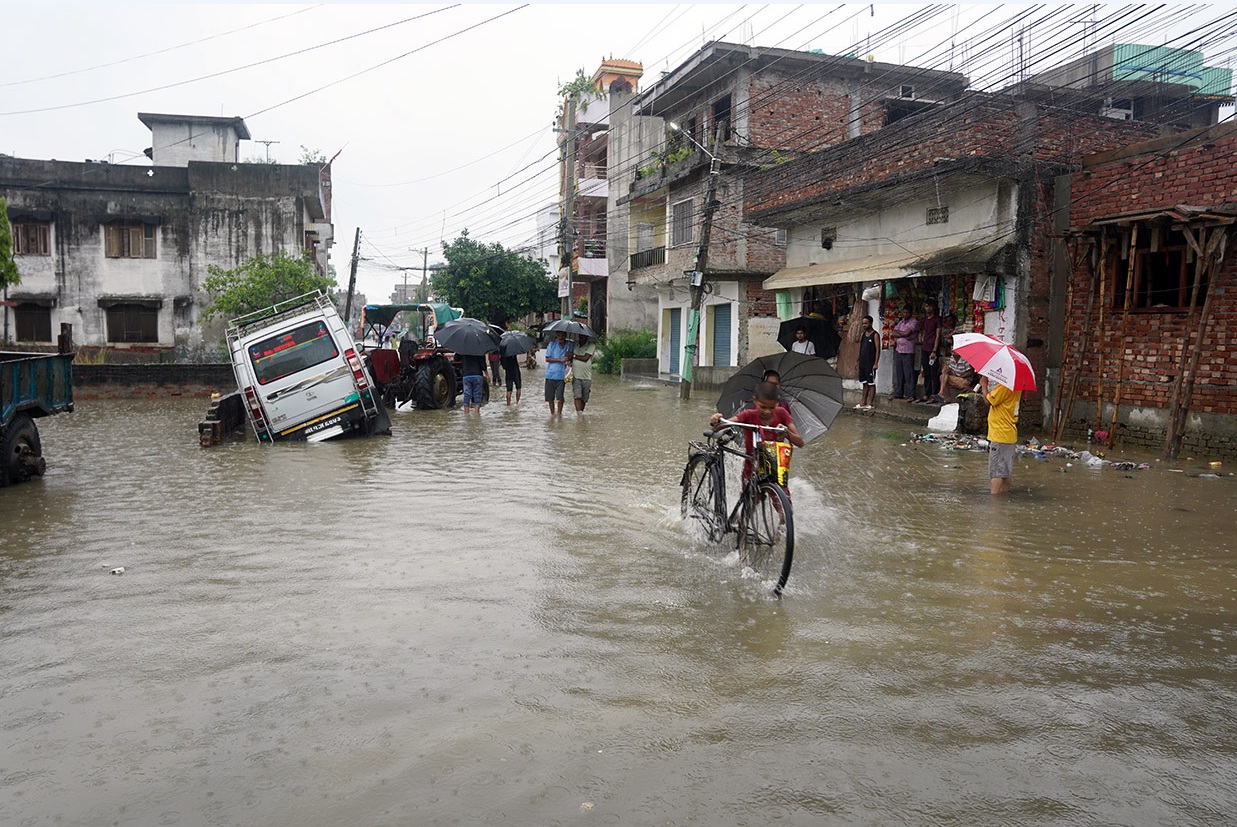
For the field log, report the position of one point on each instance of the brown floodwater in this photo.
(503, 620)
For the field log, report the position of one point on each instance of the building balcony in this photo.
(648, 258)
(594, 188)
(593, 267)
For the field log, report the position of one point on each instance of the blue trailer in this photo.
(32, 386)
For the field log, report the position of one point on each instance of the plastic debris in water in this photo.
(118, 570)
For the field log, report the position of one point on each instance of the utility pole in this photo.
(698, 278)
(356, 257)
(425, 267)
(268, 148)
(566, 232)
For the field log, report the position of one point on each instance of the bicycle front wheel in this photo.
(766, 541)
(702, 495)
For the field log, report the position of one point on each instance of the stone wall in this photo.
(150, 381)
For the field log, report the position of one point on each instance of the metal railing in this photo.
(648, 258)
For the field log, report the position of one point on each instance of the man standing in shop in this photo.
(905, 336)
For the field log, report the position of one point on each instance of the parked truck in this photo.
(32, 386)
(300, 375)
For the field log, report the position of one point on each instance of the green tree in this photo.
(8, 268)
(311, 156)
(581, 87)
(258, 283)
(492, 283)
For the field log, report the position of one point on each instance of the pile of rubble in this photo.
(1032, 448)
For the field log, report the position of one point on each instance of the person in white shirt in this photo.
(801, 344)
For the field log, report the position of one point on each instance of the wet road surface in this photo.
(502, 620)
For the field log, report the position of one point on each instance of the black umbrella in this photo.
(820, 332)
(811, 387)
(467, 337)
(515, 342)
(570, 328)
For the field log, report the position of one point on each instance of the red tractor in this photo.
(417, 369)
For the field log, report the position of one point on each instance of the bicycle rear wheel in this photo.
(702, 495)
(766, 541)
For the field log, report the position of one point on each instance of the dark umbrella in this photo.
(570, 328)
(811, 387)
(467, 337)
(820, 332)
(515, 342)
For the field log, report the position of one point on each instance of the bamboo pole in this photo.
(1216, 249)
(1069, 315)
(1198, 245)
(1058, 414)
(1082, 344)
(1125, 325)
(1099, 347)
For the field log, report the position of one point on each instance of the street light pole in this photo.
(698, 275)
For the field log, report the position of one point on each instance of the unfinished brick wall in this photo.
(1141, 351)
(796, 114)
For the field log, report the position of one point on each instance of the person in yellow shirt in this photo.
(1002, 432)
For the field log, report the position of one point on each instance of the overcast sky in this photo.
(442, 115)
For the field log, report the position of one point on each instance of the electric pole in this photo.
(699, 279)
(422, 292)
(356, 257)
(566, 230)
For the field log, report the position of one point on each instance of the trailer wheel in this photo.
(21, 452)
(435, 384)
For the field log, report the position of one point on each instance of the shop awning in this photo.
(848, 271)
(991, 256)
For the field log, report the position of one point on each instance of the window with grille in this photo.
(32, 238)
(681, 229)
(779, 237)
(938, 215)
(132, 323)
(130, 240)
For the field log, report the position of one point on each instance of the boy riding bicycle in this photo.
(765, 413)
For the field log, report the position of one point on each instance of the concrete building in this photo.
(727, 111)
(599, 125)
(1136, 82)
(120, 251)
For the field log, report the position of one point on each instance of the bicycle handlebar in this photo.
(731, 422)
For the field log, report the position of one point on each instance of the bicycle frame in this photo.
(762, 517)
(715, 449)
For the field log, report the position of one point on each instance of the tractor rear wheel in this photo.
(21, 452)
(435, 384)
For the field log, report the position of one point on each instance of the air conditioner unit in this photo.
(1117, 114)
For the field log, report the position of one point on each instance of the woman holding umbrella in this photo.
(1011, 372)
(1002, 432)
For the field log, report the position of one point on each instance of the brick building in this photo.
(725, 111)
(1151, 331)
(955, 204)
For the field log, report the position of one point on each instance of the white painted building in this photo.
(120, 251)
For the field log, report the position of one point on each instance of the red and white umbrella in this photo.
(995, 359)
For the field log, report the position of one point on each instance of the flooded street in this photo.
(502, 620)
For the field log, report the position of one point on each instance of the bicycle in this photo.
(762, 519)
